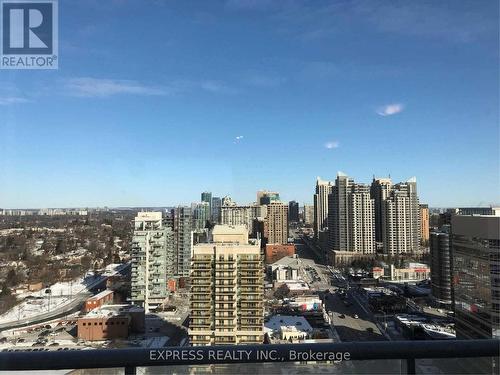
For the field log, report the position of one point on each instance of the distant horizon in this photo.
(301, 205)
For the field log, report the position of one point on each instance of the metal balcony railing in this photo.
(132, 358)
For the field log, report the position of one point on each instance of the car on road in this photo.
(356, 316)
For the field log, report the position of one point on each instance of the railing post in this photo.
(130, 370)
(410, 366)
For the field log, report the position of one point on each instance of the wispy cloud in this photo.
(319, 70)
(390, 109)
(10, 100)
(332, 145)
(462, 22)
(238, 139)
(95, 87)
(217, 87)
(265, 81)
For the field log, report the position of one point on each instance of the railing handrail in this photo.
(185, 355)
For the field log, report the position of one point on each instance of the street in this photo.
(349, 328)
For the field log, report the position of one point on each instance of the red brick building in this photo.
(275, 252)
(98, 300)
(103, 328)
(110, 322)
(172, 285)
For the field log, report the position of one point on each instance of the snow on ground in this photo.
(32, 307)
(112, 269)
(62, 293)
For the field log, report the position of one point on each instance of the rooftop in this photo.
(288, 261)
(102, 294)
(296, 285)
(287, 322)
(146, 216)
(108, 311)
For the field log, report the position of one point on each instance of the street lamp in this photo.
(49, 292)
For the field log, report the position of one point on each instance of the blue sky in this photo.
(156, 101)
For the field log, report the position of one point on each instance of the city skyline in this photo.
(153, 104)
(243, 202)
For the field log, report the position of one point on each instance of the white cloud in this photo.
(332, 144)
(430, 19)
(94, 87)
(217, 87)
(238, 139)
(265, 81)
(8, 100)
(102, 87)
(390, 109)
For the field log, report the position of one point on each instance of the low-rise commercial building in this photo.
(283, 273)
(339, 258)
(275, 252)
(284, 270)
(288, 328)
(98, 300)
(306, 303)
(417, 327)
(35, 287)
(110, 322)
(413, 272)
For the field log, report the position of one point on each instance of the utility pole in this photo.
(49, 292)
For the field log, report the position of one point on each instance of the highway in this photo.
(66, 309)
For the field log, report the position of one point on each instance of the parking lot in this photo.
(53, 336)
